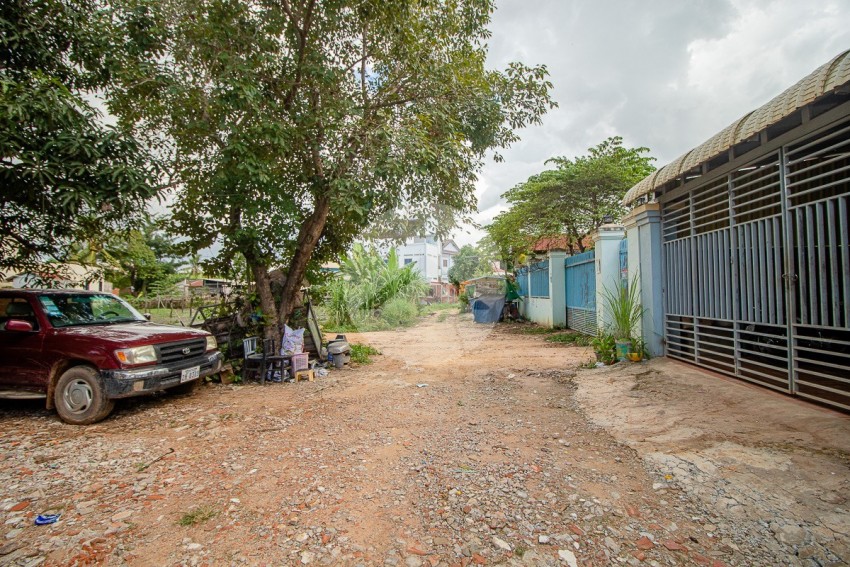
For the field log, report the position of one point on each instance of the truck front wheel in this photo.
(80, 398)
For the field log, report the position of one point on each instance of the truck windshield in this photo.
(67, 310)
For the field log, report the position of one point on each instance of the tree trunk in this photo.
(263, 284)
(308, 238)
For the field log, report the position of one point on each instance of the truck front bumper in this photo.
(140, 381)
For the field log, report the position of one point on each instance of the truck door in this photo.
(21, 365)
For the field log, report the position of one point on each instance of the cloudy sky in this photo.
(665, 74)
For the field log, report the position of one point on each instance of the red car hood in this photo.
(133, 334)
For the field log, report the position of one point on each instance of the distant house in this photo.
(66, 276)
(433, 258)
(207, 286)
(545, 244)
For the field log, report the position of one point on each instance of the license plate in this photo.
(190, 374)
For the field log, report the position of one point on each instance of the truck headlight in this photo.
(211, 343)
(136, 355)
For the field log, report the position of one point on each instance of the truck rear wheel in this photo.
(80, 398)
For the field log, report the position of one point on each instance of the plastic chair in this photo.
(254, 362)
(259, 363)
(272, 360)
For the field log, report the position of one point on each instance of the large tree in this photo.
(141, 258)
(65, 175)
(464, 265)
(571, 200)
(297, 124)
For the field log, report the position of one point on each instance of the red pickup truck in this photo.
(83, 350)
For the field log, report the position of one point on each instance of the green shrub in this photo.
(624, 308)
(367, 283)
(362, 354)
(399, 312)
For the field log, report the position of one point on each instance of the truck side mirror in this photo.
(19, 325)
(147, 316)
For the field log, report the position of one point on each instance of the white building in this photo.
(65, 276)
(433, 258)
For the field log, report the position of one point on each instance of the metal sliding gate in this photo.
(580, 292)
(757, 270)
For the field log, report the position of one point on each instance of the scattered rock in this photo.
(568, 556)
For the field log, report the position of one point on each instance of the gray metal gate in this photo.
(757, 270)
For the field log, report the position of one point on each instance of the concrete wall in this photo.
(539, 310)
(549, 311)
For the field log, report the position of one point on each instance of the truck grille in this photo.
(183, 350)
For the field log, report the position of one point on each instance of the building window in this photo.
(407, 261)
(445, 263)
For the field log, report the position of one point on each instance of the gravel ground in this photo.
(462, 444)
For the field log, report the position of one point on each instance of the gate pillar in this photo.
(643, 229)
(557, 293)
(606, 242)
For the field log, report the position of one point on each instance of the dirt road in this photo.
(463, 444)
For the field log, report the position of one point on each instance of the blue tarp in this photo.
(488, 308)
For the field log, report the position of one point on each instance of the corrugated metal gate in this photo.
(580, 290)
(522, 281)
(539, 279)
(757, 270)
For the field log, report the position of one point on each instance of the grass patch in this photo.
(166, 316)
(569, 338)
(197, 516)
(362, 354)
(531, 329)
(362, 323)
(442, 317)
(437, 307)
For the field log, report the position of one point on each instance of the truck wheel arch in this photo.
(57, 371)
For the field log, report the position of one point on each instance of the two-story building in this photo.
(433, 258)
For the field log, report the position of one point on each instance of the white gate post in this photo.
(606, 242)
(643, 228)
(557, 288)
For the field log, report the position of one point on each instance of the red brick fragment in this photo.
(575, 529)
(19, 506)
(478, 559)
(673, 546)
(644, 543)
(639, 555)
(632, 511)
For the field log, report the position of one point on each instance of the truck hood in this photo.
(134, 334)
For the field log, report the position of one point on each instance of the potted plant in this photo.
(638, 351)
(624, 311)
(603, 346)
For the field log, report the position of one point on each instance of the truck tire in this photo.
(80, 397)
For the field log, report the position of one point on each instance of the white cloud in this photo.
(665, 74)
